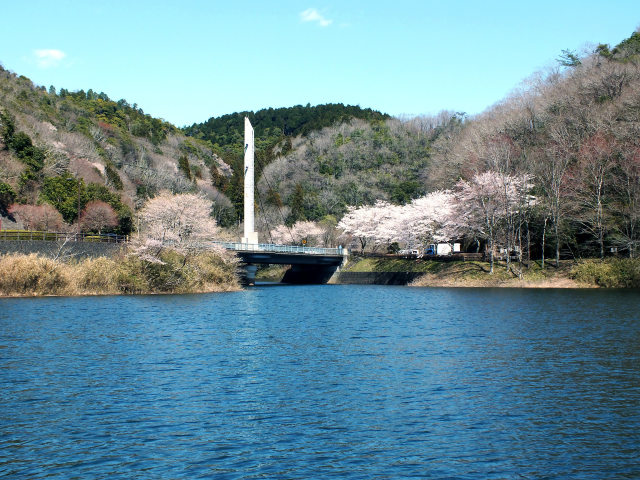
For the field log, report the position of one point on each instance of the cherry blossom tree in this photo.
(181, 222)
(412, 224)
(96, 216)
(366, 222)
(486, 203)
(427, 218)
(39, 217)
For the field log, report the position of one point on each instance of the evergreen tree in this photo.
(297, 206)
(183, 165)
(7, 197)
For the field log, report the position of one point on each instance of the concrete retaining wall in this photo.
(59, 249)
(375, 278)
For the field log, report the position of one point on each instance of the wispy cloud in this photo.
(47, 58)
(312, 15)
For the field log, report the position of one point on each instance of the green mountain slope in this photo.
(94, 148)
(272, 124)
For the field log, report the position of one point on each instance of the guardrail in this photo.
(273, 248)
(28, 235)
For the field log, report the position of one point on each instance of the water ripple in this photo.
(322, 382)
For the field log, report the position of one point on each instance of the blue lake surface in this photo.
(303, 382)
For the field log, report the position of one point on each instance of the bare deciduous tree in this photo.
(39, 217)
(96, 216)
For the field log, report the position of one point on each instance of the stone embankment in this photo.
(60, 248)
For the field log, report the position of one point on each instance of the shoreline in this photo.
(225, 289)
(40, 277)
(564, 283)
(569, 274)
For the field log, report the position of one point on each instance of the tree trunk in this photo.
(557, 245)
(544, 234)
(491, 253)
(528, 246)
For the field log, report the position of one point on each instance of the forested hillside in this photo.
(576, 132)
(274, 129)
(272, 124)
(564, 147)
(67, 149)
(553, 169)
(352, 163)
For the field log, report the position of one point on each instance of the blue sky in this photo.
(190, 60)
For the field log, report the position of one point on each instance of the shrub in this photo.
(213, 269)
(169, 275)
(128, 276)
(34, 275)
(96, 275)
(610, 273)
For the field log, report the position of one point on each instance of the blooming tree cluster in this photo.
(490, 206)
(96, 216)
(181, 222)
(384, 223)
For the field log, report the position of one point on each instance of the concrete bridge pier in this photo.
(249, 274)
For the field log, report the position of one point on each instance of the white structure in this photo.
(250, 235)
(442, 249)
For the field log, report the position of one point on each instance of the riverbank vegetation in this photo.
(549, 174)
(589, 273)
(610, 273)
(171, 252)
(34, 275)
(271, 273)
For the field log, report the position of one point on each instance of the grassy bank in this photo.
(610, 273)
(271, 273)
(34, 275)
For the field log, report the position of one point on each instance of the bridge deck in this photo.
(274, 248)
(284, 254)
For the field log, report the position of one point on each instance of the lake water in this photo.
(305, 382)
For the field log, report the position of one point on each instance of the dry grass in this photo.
(34, 275)
(430, 280)
(97, 276)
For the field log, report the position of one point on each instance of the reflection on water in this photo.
(322, 381)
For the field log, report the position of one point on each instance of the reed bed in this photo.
(36, 275)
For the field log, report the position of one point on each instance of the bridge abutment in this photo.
(309, 274)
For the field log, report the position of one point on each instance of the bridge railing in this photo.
(32, 235)
(273, 248)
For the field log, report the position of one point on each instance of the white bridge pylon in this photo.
(250, 235)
